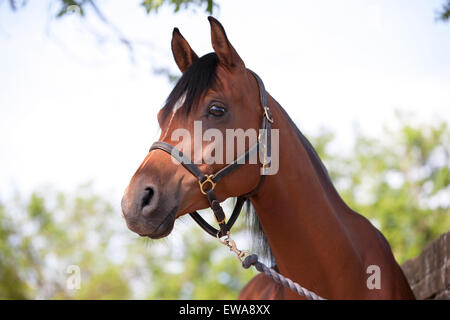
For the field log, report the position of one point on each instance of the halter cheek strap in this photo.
(207, 183)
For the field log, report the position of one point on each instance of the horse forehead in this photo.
(230, 80)
(235, 90)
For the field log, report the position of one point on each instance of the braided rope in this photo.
(271, 273)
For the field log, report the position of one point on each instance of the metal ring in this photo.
(219, 238)
(219, 222)
(208, 179)
(268, 114)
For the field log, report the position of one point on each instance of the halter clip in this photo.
(228, 242)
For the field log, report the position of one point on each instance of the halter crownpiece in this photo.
(207, 183)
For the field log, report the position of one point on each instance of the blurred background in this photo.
(81, 82)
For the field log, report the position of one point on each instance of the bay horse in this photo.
(315, 238)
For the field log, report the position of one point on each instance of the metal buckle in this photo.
(232, 246)
(208, 179)
(264, 169)
(268, 114)
(219, 222)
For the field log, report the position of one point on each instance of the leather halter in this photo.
(207, 183)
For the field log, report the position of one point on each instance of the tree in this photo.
(400, 181)
(66, 8)
(444, 15)
(12, 286)
(40, 237)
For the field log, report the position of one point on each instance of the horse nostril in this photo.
(147, 198)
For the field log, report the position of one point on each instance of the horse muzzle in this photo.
(147, 213)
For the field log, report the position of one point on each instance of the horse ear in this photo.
(223, 48)
(182, 51)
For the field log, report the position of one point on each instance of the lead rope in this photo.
(252, 260)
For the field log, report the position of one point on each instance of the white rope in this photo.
(271, 273)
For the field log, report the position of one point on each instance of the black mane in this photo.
(260, 244)
(197, 79)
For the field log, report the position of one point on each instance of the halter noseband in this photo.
(207, 183)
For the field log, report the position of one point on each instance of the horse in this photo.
(314, 237)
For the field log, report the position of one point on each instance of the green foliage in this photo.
(12, 286)
(108, 284)
(57, 230)
(399, 180)
(154, 5)
(80, 6)
(444, 15)
(72, 6)
(203, 270)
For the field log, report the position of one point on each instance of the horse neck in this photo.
(302, 215)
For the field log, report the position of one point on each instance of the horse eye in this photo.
(216, 110)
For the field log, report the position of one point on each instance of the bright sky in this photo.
(73, 110)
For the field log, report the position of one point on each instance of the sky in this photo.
(75, 109)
